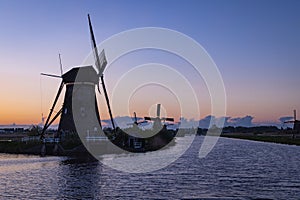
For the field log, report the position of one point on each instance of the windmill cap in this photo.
(81, 74)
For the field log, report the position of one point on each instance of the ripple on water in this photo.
(235, 169)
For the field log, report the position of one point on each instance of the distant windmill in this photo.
(296, 122)
(43, 119)
(135, 120)
(157, 125)
(80, 94)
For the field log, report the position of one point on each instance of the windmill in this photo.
(135, 120)
(80, 105)
(80, 96)
(157, 121)
(296, 122)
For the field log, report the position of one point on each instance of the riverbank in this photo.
(281, 139)
(15, 144)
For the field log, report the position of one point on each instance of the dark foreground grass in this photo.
(275, 139)
(19, 147)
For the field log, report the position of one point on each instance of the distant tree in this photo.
(34, 130)
(257, 133)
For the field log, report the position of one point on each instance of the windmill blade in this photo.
(289, 122)
(167, 119)
(295, 117)
(147, 118)
(170, 119)
(60, 64)
(142, 122)
(150, 118)
(103, 62)
(94, 46)
(135, 119)
(50, 75)
(100, 69)
(158, 111)
(169, 124)
(98, 88)
(137, 123)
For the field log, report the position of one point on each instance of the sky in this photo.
(255, 45)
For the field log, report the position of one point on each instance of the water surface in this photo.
(235, 169)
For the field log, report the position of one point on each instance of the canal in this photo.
(234, 169)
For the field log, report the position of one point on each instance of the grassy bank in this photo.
(265, 138)
(19, 147)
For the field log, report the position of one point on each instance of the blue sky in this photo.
(255, 44)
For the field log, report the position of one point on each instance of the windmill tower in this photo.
(80, 103)
(80, 97)
(296, 122)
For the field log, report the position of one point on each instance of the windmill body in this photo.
(297, 125)
(157, 121)
(296, 122)
(80, 98)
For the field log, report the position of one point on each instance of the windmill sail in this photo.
(94, 46)
(168, 119)
(60, 64)
(51, 75)
(103, 62)
(158, 110)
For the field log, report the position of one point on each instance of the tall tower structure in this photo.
(79, 113)
(80, 99)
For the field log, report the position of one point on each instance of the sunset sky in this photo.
(255, 45)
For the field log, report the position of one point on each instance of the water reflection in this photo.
(235, 169)
(79, 178)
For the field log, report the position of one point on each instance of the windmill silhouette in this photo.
(157, 121)
(135, 120)
(296, 122)
(80, 96)
(80, 107)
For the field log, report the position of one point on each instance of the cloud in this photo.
(188, 123)
(204, 123)
(284, 119)
(241, 121)
(222, 121)
(227, 121)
